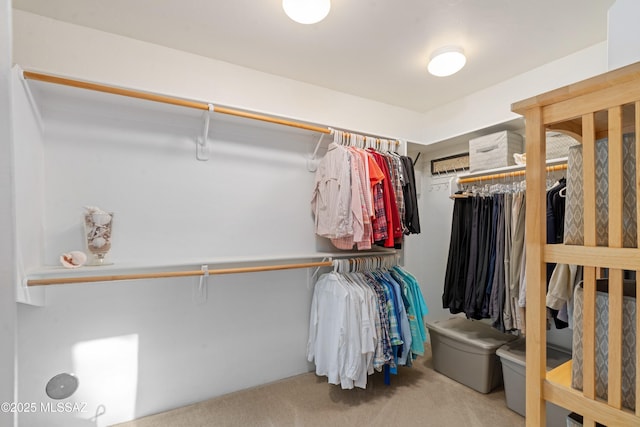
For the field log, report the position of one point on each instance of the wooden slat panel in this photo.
(589, 279)
(616, 194)
(616, 204)
(615, 338)
(535, 269)
(588, 333)
(573, 400)
(622, 258)
(589, 178)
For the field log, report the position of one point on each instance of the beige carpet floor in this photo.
(417, 396)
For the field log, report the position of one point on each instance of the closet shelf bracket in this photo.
(312, 162)
(202, 149)
(313, 276)
(32, 103)
(201, 291)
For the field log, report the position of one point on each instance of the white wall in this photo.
(146, 346)
(253, 328)
(623, 33)
(492, 106)
(426, 254)
(7, 258)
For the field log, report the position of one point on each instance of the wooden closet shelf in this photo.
(189, 268)
(629, 73)
(557, 389)
(172, 274)
(565, 396)
(199, 105)
(573, 127)
(561, 374)
(509, 171)
(181, 102)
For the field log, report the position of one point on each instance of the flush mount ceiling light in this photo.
(306, 11)
(446, 61)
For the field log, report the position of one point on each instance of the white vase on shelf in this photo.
(98, 229)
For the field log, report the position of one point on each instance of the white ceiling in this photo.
(375, 49)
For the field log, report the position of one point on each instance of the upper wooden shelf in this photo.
(563, 107)
(503, 171)
(573, 127)
(629, 73)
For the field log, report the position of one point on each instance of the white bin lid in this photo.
(516, 352)
(472, 332)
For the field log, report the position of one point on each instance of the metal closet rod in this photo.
(168, 274)
(507, 174)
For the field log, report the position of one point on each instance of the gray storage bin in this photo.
(465, 350)
(512, 356)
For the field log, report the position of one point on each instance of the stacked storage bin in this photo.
(512, 356)
(465, 350)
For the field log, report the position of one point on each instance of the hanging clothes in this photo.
(497, 288)
(412, 218)
(363, 196)
(362, 321)
(459, 256)
(485, 276)
(555, 234)
(486, 254)
(516, 260)
(393, 227)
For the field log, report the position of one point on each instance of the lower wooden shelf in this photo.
(561, 374)
(557, 389)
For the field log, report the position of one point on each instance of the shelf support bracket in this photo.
(201, 292)
(313, 276)
(32, 102)
(202, 149)
(312, 162)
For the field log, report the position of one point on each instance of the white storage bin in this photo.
(494, 151)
